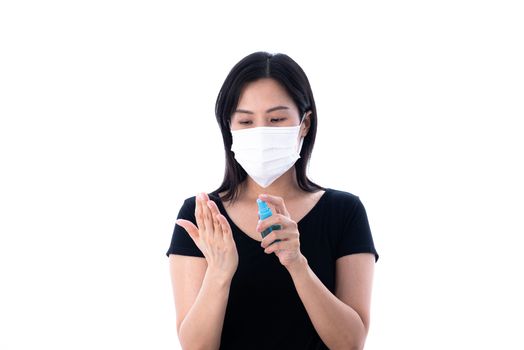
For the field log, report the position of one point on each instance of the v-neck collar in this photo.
(299, 223)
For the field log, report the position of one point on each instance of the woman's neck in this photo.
(286, 186)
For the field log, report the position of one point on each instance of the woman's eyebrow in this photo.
(268, 111)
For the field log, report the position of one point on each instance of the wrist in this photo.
(298, 266)
(218, 277)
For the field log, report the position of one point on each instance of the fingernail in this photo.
(263, 195)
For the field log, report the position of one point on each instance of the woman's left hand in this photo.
(288, 248)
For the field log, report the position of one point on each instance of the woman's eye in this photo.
(277, 119)
(244, 122)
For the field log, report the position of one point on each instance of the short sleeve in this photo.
(356, 234)
(181, 242)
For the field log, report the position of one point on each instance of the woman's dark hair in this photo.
(288, 73)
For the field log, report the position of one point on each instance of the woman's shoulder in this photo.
(339, 196)
(187, 208)
(190, 202)
(340, 202)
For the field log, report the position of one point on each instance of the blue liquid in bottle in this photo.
(263, 213)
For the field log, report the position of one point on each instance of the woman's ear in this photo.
(306, 123)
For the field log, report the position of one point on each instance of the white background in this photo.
(107, 125)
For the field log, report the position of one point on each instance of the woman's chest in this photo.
(245, 215)
(261, 273)
(246, 219)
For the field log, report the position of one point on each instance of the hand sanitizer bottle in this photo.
(263, 213)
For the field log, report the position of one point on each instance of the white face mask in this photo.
(266, 153)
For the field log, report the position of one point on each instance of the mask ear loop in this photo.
(302, 138)
(303, 117)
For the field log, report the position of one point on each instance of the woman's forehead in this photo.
(265, 95)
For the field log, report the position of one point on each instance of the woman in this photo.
(306, 285)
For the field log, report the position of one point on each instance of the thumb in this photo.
(191, 229)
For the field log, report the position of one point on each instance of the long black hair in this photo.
(290, 75)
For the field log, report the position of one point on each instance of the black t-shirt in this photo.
(262, 297)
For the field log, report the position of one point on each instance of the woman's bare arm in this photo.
(200, 299)
(341, 319)
(201, 285)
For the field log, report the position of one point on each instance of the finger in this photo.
(208, 219)
(282, 245)
(277, 219)
(279, 235)
(205, 197)
(198, 213)
(217, 227)
(191, 229)
(214, 212)
(277, 202)
(226, 229)
(213, 207)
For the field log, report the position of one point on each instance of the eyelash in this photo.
(272, 119)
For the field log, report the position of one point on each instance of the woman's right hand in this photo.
(213, 237)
